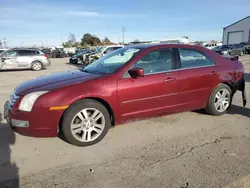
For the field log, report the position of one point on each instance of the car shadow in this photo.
(19, 70)
(14, 70)
(234, 109)
(8, 170)
(75, 65)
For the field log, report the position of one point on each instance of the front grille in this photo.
(13, 99)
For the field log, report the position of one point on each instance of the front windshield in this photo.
(112, 61)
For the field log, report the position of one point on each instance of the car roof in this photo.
(25, 49)
(113, 46)
(144, 46)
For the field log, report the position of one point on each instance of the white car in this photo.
(2, 50)
(103, 50)
(107, 49)
(210, 46)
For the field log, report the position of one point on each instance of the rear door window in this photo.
(25, 52)
(191, 58)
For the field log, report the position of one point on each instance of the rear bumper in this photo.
(46, 63)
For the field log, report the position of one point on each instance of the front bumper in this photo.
(37, 123)
(73, 61)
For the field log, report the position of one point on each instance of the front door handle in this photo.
(170, 79)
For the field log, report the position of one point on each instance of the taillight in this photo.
(46, 55)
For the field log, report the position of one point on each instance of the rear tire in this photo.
(85, 123)
(36, 66)
(220, 100)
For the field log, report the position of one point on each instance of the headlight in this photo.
(225, 52)
(29, 100)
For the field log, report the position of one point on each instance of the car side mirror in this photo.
(136, 72)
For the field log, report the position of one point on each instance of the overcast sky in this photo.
(50, 22)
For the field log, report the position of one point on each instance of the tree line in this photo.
(86, 41)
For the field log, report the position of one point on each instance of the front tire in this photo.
(220, 100)
(85, 123)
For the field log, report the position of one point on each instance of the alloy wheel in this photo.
(37, 66)
(87, 125)
(222, 100)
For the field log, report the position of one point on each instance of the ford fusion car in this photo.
(131, 83)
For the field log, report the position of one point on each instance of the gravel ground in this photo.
(183, 150)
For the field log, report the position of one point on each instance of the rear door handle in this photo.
(213, 73)
(170, 79)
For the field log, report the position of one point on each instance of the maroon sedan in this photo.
(133, 82)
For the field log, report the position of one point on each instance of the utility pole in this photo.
(1, 44)
(4, 43)
(123, 30)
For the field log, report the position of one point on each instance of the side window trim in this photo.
(174, 63)
(202, 66)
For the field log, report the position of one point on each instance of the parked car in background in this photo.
(210, 46)
(47, 51)
(23, 58)
(216, 48)
(79, 58)
(2, 50)
(58, 53)
(133, 82)
(231, 49)
(101, 51)
(247, 47)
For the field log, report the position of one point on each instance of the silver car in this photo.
(23, 59)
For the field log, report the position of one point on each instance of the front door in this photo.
(154, 93)
(9, 60)
(198, 77)
(235, 50)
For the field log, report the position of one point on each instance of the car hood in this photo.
(54, 81)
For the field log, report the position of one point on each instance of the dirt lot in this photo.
(183, 150)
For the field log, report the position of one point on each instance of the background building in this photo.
(237, 32)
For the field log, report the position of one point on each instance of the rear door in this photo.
(24, 58)
(198, 77)
(154, 93)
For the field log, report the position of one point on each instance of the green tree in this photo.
(106, 41)
(72, 39)
(90, 40)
